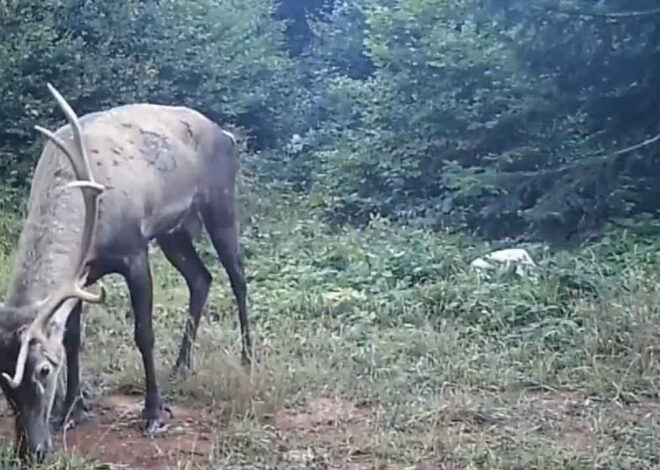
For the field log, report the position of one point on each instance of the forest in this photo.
(384, 146)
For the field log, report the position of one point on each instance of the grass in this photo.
(379, 348)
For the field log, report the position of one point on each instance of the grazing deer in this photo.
(105, 185)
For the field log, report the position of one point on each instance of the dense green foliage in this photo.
(500, 117)
(223, 58)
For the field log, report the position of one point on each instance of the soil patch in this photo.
(113, 436)
(328, 434)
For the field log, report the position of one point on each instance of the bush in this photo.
(223, 58)
(473, 115)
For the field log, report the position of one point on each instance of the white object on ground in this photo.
(524, 264)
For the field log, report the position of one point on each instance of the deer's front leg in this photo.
(138, 278)
(73, 411)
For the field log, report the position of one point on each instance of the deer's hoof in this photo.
(78, 414)
(70, 423)
(155, 428)
(155, 425)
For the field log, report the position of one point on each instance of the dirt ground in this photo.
(331, 433)
(112, 436)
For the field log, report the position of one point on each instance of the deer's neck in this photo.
(50, 240)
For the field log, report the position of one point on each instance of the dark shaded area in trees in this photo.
(296, 14)
(500, 117)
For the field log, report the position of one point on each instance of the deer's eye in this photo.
(44, 371)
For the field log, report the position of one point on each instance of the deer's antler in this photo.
(70, 288)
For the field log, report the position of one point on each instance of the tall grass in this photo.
(456, 372)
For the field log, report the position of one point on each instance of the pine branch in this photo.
(595, 158)
(638, 146)
(612, 15)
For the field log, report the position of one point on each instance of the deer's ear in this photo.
(8, 341)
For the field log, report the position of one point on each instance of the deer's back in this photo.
(157, 163)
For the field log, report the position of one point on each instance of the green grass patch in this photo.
(439, 369)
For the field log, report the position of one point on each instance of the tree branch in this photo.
(595, 158)
(638, 146)
(612, 15)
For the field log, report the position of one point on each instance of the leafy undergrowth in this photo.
(379, 348)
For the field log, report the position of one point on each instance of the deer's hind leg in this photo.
(179, 250)
(222, 227)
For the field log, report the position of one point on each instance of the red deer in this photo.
(106, 185)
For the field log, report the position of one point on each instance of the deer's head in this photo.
(31, 350)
